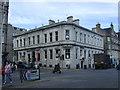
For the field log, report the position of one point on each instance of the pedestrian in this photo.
(12, 67)
(15, 67)
(78, 66)
(68, 66)
(8, 72)
(35, 66)
(3, 73)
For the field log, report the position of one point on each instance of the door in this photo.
(29, 58)
(81, 64)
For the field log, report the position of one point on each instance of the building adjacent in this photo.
(64, 42)
(12, 30)
(4, 6)
(111, 42)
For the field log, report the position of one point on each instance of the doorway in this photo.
(81, 64)
(29, 58)
(33, 56)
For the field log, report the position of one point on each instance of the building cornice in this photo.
(55, 25)
(61, 43)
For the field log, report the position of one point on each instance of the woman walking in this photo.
(8, 72)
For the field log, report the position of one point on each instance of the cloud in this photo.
(38, 13)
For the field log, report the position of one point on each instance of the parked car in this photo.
(23, 65)
(118, 67)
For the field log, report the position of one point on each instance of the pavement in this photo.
(72, 78)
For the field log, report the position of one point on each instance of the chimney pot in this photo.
(51, 22)
(70, 18)
(76, 21)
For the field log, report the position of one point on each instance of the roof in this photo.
(54, 25)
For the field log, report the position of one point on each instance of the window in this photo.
(45, 54)
(88, 38)
(57, 53)
(89, 53)
(67, 35)
(76, 52)
(17, 43)
(80, 37)
(14, 33)
(51, 54)
(80, 53)
(38, 39)
(67, 53)
(45, 38)
(20, 42)
(56, 35)
(24, 54)
(84, 53)
(29, 40)
(50, 37)
(33, 39)
(108, 38)
(76, 36)
(24, 41)
(84, 38)
(95, 52)
(20, 55)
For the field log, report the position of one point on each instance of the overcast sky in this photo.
(29, 14)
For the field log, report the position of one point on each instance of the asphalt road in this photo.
(72, 78)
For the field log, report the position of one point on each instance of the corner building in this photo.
(64, 42)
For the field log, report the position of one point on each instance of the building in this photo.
(119, 44)
(4, 6)
(1, 25)
(64, 42)
(10, 33)
(111, 42)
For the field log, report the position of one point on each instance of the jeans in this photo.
(3, 77)
(7, 75)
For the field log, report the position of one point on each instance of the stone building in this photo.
(111, 42)
(4, 6)
(10, 33)
(64, 42)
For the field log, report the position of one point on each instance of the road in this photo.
(72, 78)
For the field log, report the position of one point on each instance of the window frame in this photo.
(67, 52)
(56, 36)
(51, 39)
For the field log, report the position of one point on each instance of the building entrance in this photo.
(33, 56)
(29, 58)
(81, 64)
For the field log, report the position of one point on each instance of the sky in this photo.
(28, 14)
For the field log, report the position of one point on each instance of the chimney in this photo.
(70, 19)
(112, 26)
(98, 25)
(51, 22)
(76, 21)
(94, 30)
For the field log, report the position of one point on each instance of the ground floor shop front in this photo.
(64, 55)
